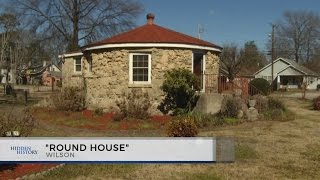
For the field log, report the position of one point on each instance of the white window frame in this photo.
(75, 65)
(131, 69)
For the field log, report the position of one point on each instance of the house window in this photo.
(140, 68)
(77, 65)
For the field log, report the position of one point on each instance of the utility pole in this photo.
(272, 54)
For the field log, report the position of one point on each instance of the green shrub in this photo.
(180, 96)
(134, 104)
(182, 126)
(69, 99)
(261, 85)
(316, 103)
(230, 106)
(11, 122)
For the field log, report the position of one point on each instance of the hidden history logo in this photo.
(23, 150)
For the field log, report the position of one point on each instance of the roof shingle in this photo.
(152, 33)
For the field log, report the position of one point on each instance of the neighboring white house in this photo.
(288, 74)
(3, 74)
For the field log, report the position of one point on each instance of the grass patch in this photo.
(231, 121)
(244, 151)
(279, 115)
(297, 170)
(92, 171)
(199, 176)
(312, 152)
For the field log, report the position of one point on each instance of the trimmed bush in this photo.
(182, 126)
(316, 103)
(69, 99)
(180, 97)
(262, 85)
(230, 106)
(134, 104)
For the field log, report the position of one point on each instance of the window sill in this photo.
(140, 85)
(76, 75)
(90, 76)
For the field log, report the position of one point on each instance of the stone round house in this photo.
(138, 59)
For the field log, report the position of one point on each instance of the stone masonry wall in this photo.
(108, 78)
(69, 77)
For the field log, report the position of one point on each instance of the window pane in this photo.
(135, 63)
(140, 65)
(78, 67)
(78, 61)
(135, 77)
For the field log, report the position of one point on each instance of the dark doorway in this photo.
(198, 70)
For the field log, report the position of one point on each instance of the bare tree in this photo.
(297, 34)
(251, 58)
(75, 22)
(8, 24)
(230, 60)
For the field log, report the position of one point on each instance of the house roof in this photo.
(292, 63)
(56, 74)
(150, 34)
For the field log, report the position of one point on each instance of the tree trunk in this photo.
(75, 20)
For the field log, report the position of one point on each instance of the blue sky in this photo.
(224, 21)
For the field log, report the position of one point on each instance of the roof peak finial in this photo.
(150, 18)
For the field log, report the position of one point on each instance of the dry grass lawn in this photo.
(264, 150)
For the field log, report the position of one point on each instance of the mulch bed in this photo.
(88, 120)
(13, 171)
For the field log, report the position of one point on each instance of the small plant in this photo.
(135, 104)
(277, 111)
(205, 120)
(182, 126)
(276, 104)
(230, 106)
(69, 99)
(180, 96)
(262, 102)
(316, 103)
(98, 112)
(24, 124)
(261, 85)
